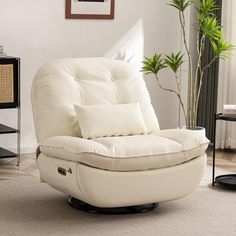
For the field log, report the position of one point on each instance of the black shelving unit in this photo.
(225, 180)
(10, 99)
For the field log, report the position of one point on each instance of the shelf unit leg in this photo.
(18, 136)
(18, 148)
(214, 150)
(19, 120)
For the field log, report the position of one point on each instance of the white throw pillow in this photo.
(110, 120)
(149, 117)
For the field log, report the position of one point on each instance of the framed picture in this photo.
(90, 9)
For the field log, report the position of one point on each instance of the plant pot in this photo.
(198, 129)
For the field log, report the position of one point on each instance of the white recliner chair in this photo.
(100, 142)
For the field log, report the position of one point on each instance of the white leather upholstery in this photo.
(103, 188)
(60, 84)
(109, 171)
(130, 153)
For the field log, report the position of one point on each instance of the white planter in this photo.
(199, 129)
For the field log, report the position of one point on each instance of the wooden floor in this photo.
(225, 161)
(10, 170)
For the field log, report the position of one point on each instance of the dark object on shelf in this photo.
(10, 99)
(7, 130)
(80, 205)
(227, 117)
(228, 181)
(4, 153)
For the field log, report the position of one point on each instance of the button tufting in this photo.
(112, 79)
(76, 79)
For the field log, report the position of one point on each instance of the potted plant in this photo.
(208, 28)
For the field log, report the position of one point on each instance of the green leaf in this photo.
(174, 61)
(181, 5)
(207, 7)
(152, 65)
(210, 28)
(222, 48)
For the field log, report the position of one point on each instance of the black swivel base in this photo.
(110, 211)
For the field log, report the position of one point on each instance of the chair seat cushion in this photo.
(129, 153)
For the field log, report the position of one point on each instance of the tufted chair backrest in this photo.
(60, 84)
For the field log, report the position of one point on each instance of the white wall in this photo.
(37, 32)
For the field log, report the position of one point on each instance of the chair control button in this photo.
(62, 171)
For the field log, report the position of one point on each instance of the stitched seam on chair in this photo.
(149, 169)
(123, 157)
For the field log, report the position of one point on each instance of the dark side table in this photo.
(225, 180)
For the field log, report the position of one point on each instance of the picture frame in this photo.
(90, 9)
